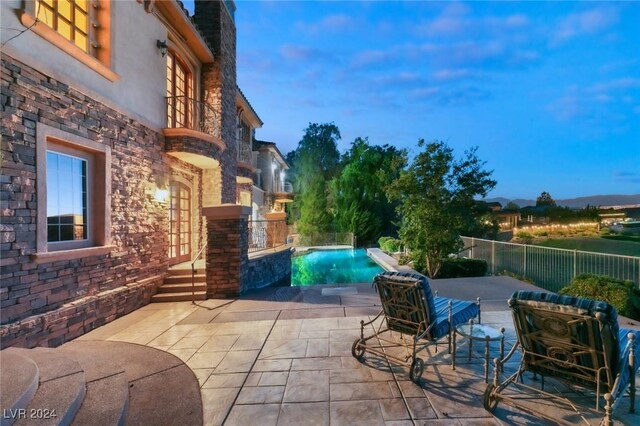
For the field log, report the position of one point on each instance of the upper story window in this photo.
(179, 89)
(70, 18)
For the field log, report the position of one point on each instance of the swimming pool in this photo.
(333, 267)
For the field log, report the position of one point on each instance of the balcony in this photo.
(245, 169)
(285, 195)
(193, 132)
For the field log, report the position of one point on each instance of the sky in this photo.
(549, 92)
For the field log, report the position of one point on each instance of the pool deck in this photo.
(282, 356)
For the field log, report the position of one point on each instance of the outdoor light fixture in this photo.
(161, 195)
(162, 45)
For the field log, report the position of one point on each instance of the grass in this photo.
(595, 244)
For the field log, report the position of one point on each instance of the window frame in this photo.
(189, 91)
(98, 192)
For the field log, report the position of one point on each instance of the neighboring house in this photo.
(248, 121)
(121, 156)
(271, 190)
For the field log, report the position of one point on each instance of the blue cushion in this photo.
(623, 361)
(422, 282)
(463, 311)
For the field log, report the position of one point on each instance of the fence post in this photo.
(575, 263)
(472, 244)
(525, 260)
(493, 257)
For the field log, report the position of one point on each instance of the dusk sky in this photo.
(548, 91)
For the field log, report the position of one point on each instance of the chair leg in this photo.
(632, 384)
(608, 410)
(479, 311)
(450, 323)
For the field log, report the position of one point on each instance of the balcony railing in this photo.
(266, 234)
(189, 113)
(287, 187)
(244, 152)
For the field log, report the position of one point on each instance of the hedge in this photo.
(623, 295)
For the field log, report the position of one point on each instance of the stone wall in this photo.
(226, 256)
(219, 85)
(271, 269)
(139, 223)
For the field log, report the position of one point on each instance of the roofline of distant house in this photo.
(252, 111)
(273, 145)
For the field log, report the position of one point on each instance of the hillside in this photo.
(593, 200)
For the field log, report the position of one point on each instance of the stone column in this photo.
(272, 226)
(227, 248)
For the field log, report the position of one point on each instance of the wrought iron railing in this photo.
(550, 268)
(267, 234)
(189, 113)
(287, 187)
(245, 154)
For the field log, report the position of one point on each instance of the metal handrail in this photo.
(193, 274)
(186, 112)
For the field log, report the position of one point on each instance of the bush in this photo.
(622, 295)
(524, 237)
(389, 244)
(460, 267)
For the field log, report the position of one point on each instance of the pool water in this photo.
(333, 267)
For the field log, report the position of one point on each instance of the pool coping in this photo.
(387, 262)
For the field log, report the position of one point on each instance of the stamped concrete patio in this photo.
(282, 356)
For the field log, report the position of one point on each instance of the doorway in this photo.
(180, 223)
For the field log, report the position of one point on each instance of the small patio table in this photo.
(482, 333)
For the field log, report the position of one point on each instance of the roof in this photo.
(243, 102)
(257, 145)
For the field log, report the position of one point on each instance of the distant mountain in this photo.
(593, 200)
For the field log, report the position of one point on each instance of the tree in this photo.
(360, 203)
(512, 206)
(436, 196)
(545, 200)
(315, 163)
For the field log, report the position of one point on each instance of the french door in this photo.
(180, 223)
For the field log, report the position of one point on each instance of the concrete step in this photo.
(184, 271)
(178, 297)
(183, 279)
(61, 388)
(107, 395)
(19, 383)
(182, 288)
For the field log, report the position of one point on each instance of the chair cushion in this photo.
(463, 311)
(625, 348)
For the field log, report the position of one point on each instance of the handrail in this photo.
(193, 274)
(183, 111)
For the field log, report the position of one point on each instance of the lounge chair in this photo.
(569, 338)
(410, 308)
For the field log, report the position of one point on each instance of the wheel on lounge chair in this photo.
(357, 350)
(417, 368)
(490, 401)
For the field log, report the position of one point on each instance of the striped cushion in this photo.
(624, 343)
(463, 311)
(410, 278)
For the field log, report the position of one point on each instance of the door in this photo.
(180, 223)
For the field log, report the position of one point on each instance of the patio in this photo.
(283, 356)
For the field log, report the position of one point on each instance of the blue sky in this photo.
(548, 91)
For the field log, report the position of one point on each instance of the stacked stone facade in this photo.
(139, 223)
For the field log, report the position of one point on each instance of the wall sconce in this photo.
(162, 45)
(161, 195)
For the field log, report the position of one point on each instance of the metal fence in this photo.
(267, 234)
(327, 239)
(550, 268)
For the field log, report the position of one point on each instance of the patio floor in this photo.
(282, 356)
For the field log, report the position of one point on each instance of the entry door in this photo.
(180, 217)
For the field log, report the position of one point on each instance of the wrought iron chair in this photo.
(409, 307)
(573, 339)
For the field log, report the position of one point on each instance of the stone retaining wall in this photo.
(269, 269)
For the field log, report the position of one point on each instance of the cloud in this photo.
(330, 23)
(627, 176)
(296, 53)
(585, 23)
(370, 58)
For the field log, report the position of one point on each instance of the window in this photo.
(74, 192)
(67, 202)
(178, 93)
(70, 18)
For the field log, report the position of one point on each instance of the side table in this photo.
(481, 333)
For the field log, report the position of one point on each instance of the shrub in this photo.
(460, 267)
(623, 295)
(389, 244)
(524, 237)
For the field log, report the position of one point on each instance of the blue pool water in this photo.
(333, 267)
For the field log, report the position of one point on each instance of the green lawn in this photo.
(595, 244)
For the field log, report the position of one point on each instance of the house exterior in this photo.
(121, 156)
(271, 190)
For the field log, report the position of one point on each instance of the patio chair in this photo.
(410, 308)
(572, 339)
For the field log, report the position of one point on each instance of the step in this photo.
(61, 388)
(181, 279)
(19, 383)
(184, 271)
(107, 396)
(178, 297)
(182, 288)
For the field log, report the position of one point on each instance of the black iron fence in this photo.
(267, 234)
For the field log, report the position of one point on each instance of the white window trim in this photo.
(46, 135)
